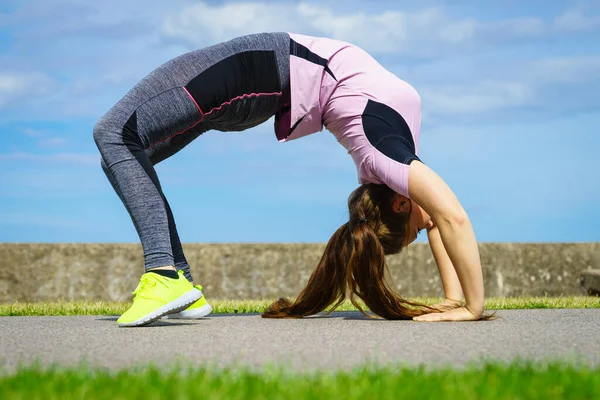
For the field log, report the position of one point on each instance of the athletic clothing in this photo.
(375, 115)
(306, 82)
(231, 86)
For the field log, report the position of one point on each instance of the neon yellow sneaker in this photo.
(156, 296)
(197, 310)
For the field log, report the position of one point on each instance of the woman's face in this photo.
(418, 220)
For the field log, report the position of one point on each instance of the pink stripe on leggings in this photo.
(202, 115)
(194, 100)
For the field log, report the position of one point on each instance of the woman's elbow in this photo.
(456, 218)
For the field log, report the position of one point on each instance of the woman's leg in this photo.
(178, 254)
(127, 140)
(162, 114)
(125, 137)
(157, 154)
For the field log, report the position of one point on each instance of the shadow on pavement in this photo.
(347, 315)
(157, 324)
(232, 315)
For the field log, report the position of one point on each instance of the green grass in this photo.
(257, 306)
(492, 381)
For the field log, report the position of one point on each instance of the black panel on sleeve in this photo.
(388, 132)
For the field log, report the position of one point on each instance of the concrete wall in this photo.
(35, 272)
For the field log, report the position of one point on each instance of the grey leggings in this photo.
(230, 86)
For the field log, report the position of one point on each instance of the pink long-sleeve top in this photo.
(374, 114)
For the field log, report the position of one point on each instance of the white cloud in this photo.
(475, 98)
(53, 142)
(78, 159)
(40, 220)
(377, 29)
(16, 85)
(11, 84)
(161, 31)
(565, 69)
(389, 31)
(544, 84)
(527, 27)
(46, 137)
(425, 32)
(56, 181)
(34, 133)
(576, 20)
(214, 24)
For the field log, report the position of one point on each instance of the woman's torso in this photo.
(374, 114)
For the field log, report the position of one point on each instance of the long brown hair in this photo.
(354, 262)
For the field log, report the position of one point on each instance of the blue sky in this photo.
(510, 90)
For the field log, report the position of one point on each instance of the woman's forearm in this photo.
(460, 244)
(437, 199)
(450, 282)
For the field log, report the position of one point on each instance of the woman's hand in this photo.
(458, 314)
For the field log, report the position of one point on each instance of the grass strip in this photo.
(492, 381)
(257, 306)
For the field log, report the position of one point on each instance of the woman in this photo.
(305, 82)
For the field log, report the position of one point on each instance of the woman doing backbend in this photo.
(306, 83)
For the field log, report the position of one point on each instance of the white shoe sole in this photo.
(191, 314)
(180, 303)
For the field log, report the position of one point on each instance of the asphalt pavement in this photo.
(342, 340)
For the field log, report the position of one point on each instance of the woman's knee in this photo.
(113, 129)
(102, 131)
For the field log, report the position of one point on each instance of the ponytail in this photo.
(354, 262)
(326, 285)
(367, 279)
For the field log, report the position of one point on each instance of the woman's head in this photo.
(381, 223)
(394, 218)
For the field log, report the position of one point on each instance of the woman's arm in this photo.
(452, 289)
(458, 238)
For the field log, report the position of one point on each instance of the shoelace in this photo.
(146, 282)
